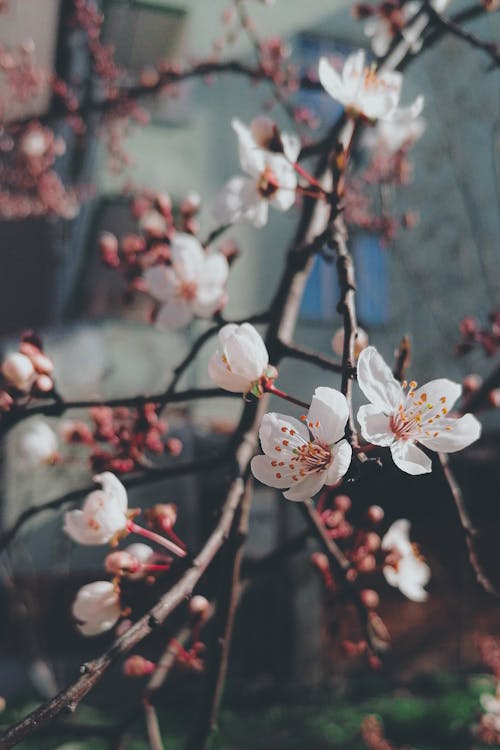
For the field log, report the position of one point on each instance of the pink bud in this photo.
(320, 561)
(174, 446)
(367, 564)
(121, 563)
(372, 541)
(164, 203)
(138, 666)
(375, 514)
(342, 503)
(471, 383)
(42, 363)
(44, 384)
(263, 130)
(191, 203)
(494, 398)
(6, 401)
(18, 370)
(370, 598)
(199, 607)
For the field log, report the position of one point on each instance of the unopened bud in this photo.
(121, 563)
(370, 598)
(174, 446)
(264, 131)
(190, 205)
(494, 398)
(372, 541)
(138, 666)
(153, 223)
(199, 607)
(6, 401)
(471, 383)
(375, 514)
(18, 370)
(320, 561)
(42, 364)
(44, 384)
(367, 564)
(342, 503)
(360, 343)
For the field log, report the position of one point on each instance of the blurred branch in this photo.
(293, 351)
(476, 399)
(453, 27)
(403, 356)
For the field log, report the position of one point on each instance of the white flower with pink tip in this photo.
(241, 359)
(401, 415)
(364, 91)
(96, 608)
(103, 515)
(405, 568)
(271, 180)
(194, 285)
(304, 456)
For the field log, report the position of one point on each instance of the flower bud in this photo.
(367, 564)
(199, 607)
(372, 541)
(190, 205)
(320, 561)
(174, 446)
(375, 514)
(18, 370)
(263, 130)
(121, 563)
(44, 384)
(153, 223)
(370, 598)
(494, 398)
(360, 343)
(471, 383)
(138, 666)
(342, 503)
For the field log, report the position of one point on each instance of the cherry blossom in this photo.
(194, 285)
(37, 446)
(390, 136)
(381, 28)
(363, 91)
(241, 361)
(96, 608)
(405, 569)
(143, 554)
(271, 180)
(104, 513)
(304, 456)
(401, 415)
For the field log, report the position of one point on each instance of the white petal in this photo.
(176, 313)
(274, 428)
(375, 425)
(330, 80)
(410, 459)
(413, 575)
(461, 433)
(307, 487)
(291, 146)
(398, 537)
(377, 381)
(328, 415)
(208, 300)
(405, 114)
(263, 470)
(162, 282)
(76, 527)
(113, 489)
(435, 390)
(341, 461)
(229, 205)
(251, 156)
(214, 271)
(187, 256)
(246, 353)
(230, 381)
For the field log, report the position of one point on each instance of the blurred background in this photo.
(423, 283)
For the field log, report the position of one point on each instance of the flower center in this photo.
(188, 290)
(314, 456)
(268, 183)
(418, 417)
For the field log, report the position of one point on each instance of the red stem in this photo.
(153, 537)
(269, 388)
(310, 179)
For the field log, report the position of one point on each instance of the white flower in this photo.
(362, 91)
(293, 459)
(272, 180)
(408, 571)
(267, 135)
(381, 29)
(241, 360)
(390, 136)
(399, 418)
(36, 446)
(96, 608)
(193, 285)
(18, 371)
(34, 143)
(104, 513)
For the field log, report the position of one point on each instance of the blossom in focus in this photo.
(405, 569)
(37, 446)
(363, 91)
(304, 456)
(103, 515)
(241, 360)
(18, 370)
(360, 343)
(271, 181)
(96, 608)
(193, 285)
(400, 415)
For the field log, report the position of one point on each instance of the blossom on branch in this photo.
(364, 92)
(405, 568)
(304, 456)
(401, 415)
(271, 177)
(193, 285)
(104, 513)
(241, 361)
(96, 608)
(390, 136)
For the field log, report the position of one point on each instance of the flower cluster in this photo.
(121, 439)
(105, 519)
(26, 374)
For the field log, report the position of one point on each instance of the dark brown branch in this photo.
(293, 351)
(450, 26)
(403, 356)
(472, 535)
(476, 399)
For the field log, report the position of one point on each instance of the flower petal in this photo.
(162, 282)
(252, 158)
(328, 415)
(265, 472)
(330, 80)
(246, 353)
(397, 537)
(341, 461)
(433, 393)
(224, 378)
(187, 256)
(413, 575)
(229, 204)
(375, 425)
(176, 313)
(409, 458)
(291, 146)
(113, 489)
(454, 434)
(377, 381)
(276, 427)
(307, 487)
